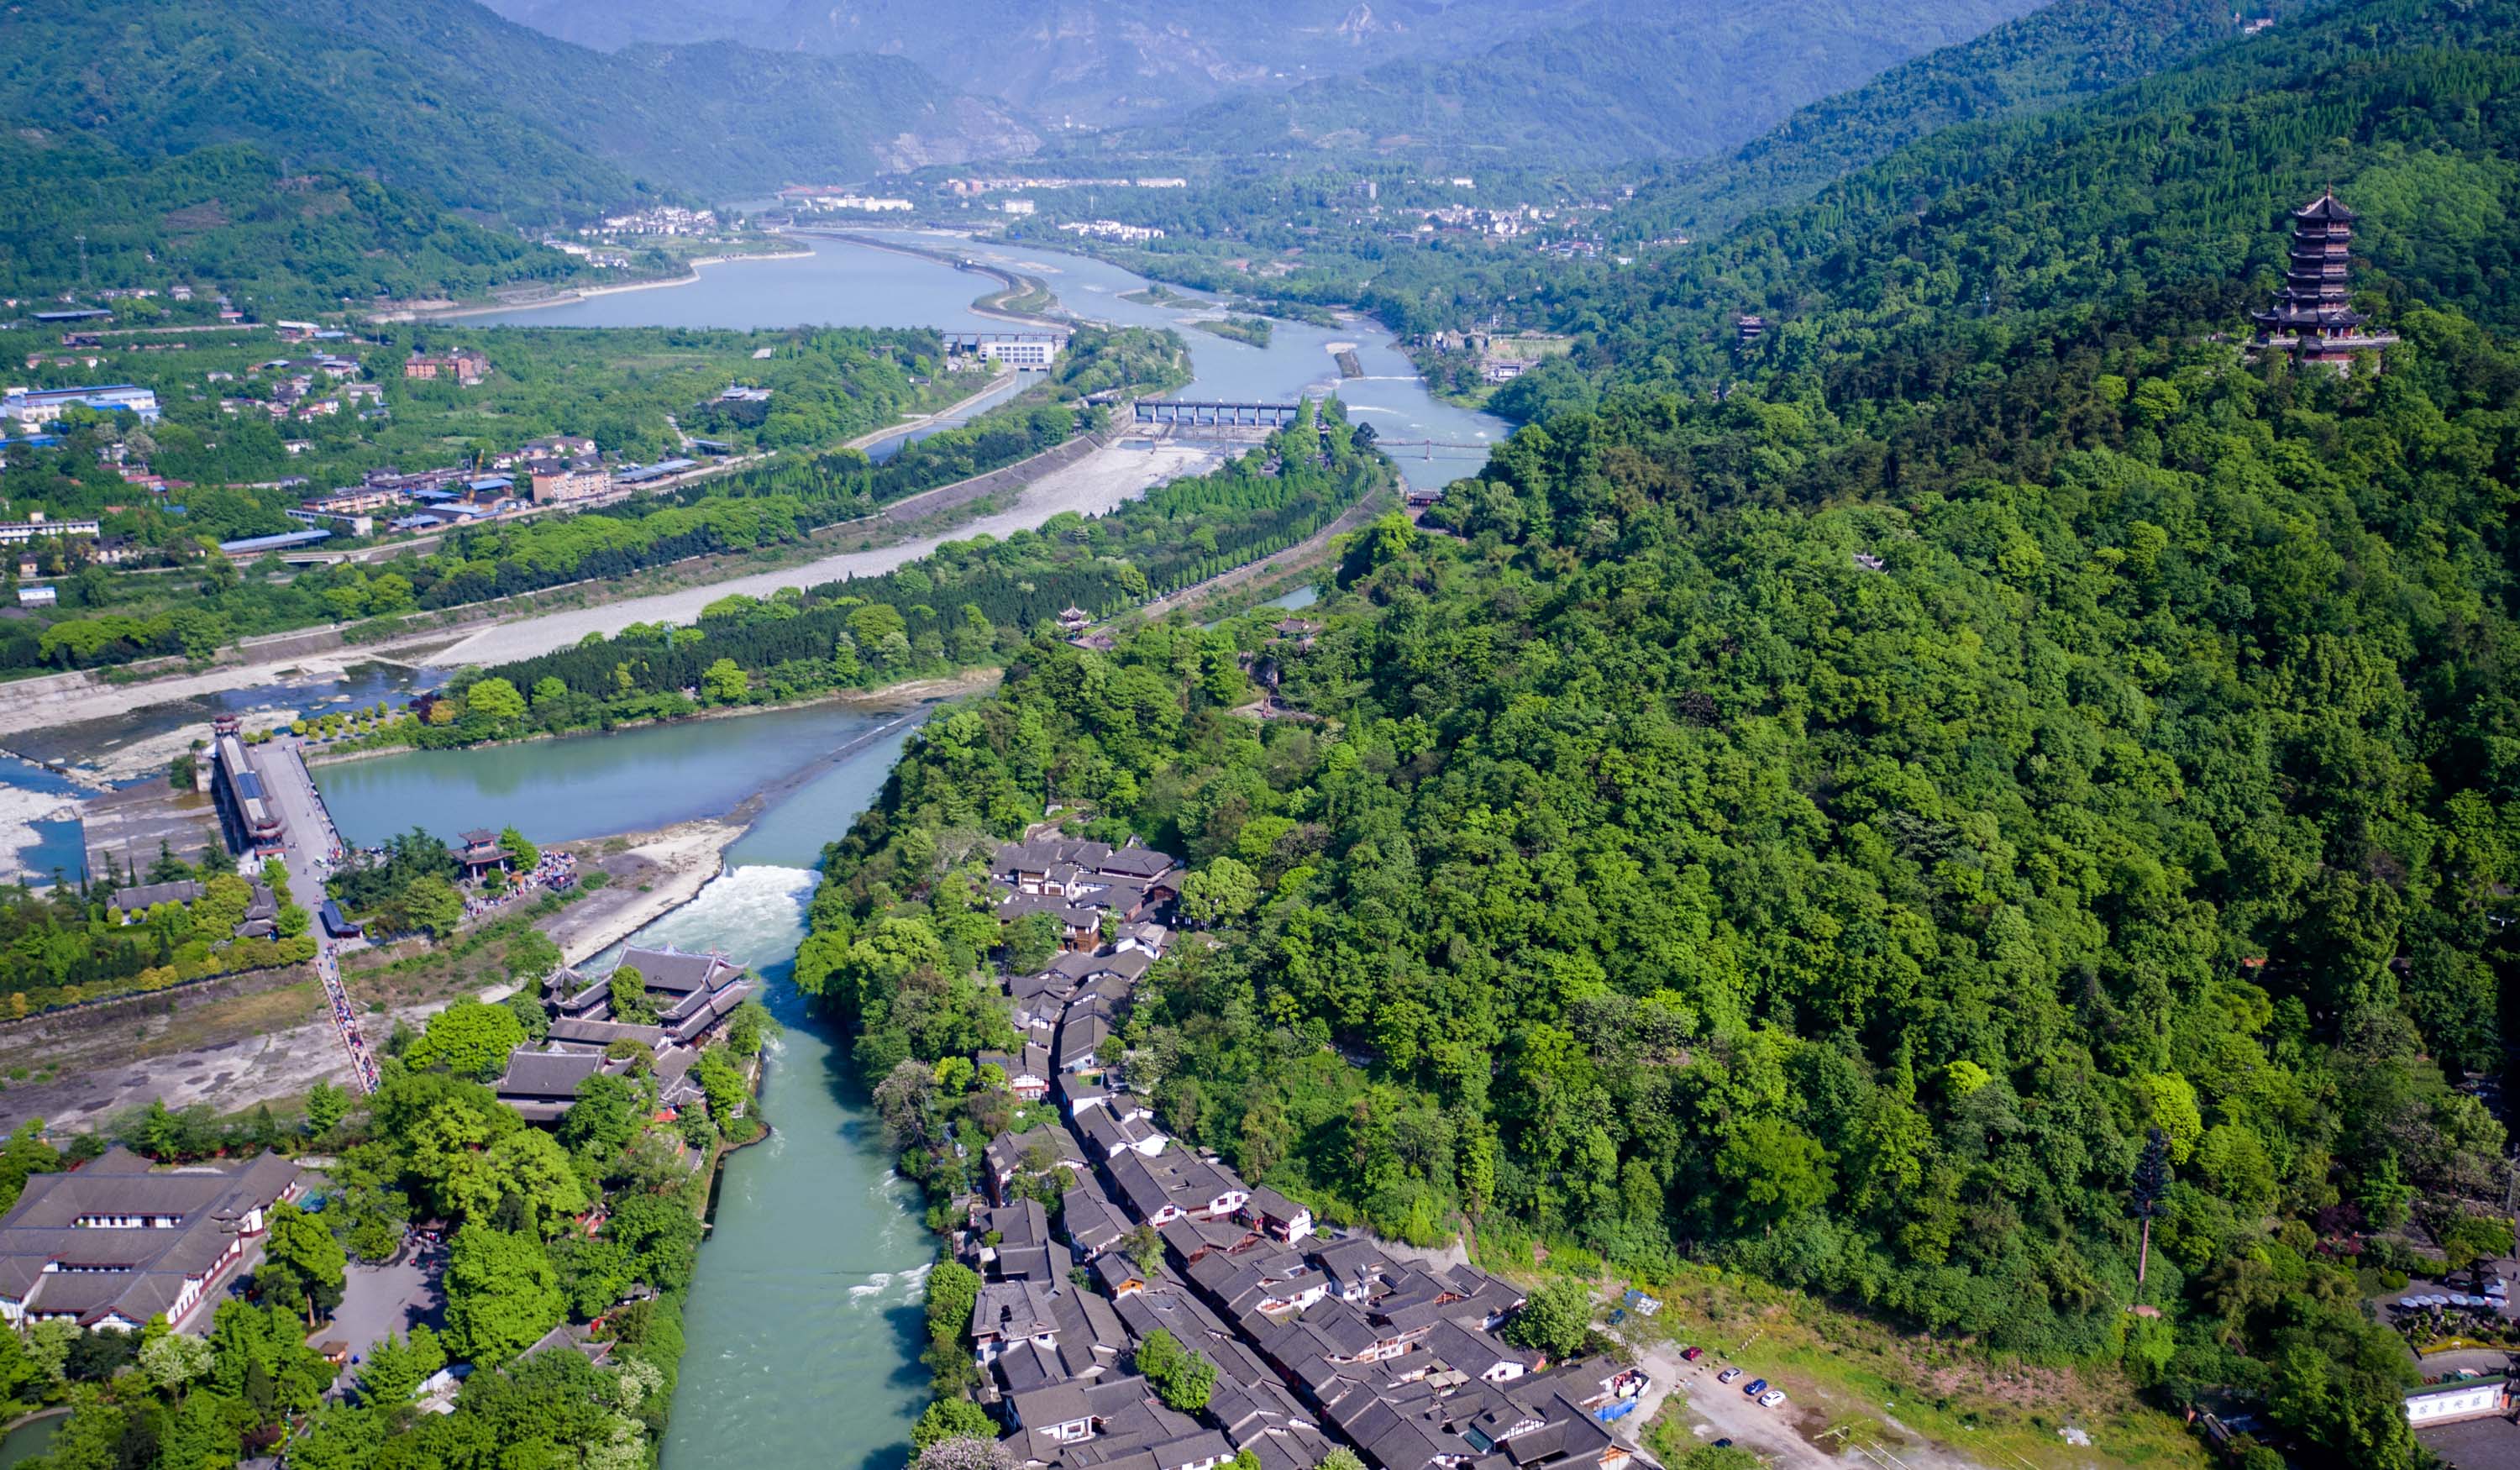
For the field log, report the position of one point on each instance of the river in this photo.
(842, 282)
(803, 1325)
(839, 283)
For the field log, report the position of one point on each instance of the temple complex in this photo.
(2312, 319)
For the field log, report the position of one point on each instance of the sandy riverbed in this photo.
(151, 755)
(1093, 485)
(101, 701)
(671, 864)
(19, 808)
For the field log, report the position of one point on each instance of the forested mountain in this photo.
(1955, 244)
(230, 215)
(1665, 881)
(1087, 62)
(2069, 49)
(444, 98)
(1629, 80)
(1845, 828)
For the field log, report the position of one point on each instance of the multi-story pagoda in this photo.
(2312, 319)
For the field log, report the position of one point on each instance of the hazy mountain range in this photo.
(1087, 62)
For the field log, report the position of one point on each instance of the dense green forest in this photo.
(1690, 888)
(1839, 828)
(232, 217)
(443, 98)
(2058, 51)
(1957, 246)
(306, 152)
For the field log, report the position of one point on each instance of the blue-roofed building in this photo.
(35, 406)
(656, 472)
(255, 545)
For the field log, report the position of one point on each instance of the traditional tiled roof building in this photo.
(2312, 318)
(118, 1241)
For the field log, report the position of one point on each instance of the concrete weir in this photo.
(1202, 411)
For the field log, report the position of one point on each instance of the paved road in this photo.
(311, 841)
(310, 847)
(1719, 1410)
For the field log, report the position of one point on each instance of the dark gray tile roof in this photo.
(134, 1272)
(670, 969)
(547, 1075)
(605, 1033)
(148, 895)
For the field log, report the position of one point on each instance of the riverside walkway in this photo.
(312, 846)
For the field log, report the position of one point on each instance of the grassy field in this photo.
(1855, 1378)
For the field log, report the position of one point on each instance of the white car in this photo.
(1772, 1398)
(1728, 1375)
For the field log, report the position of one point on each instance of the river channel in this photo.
(804, 1324)
(846, 284)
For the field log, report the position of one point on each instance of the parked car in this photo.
(1723, 1444)
(1728, 1375)
(1772, 1398)
(1755, 1387)
(1691, 1355)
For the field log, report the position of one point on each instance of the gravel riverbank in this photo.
(1092, 485)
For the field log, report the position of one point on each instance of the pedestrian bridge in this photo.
(1190, 411)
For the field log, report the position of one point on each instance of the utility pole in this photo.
(83, 245)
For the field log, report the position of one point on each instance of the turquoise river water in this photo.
(804, 1324)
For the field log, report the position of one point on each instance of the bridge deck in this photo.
(1202, 411)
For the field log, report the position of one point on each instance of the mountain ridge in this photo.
(446, 96)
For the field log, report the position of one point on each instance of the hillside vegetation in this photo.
(1628, 81)
(229, 215)
(1094, 61)
(1954, 246)
(444, 97)
(1848, 829)
(2055, 54)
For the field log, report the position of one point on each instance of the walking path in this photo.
(363, 1067)
(313, 846)
(1302, 554)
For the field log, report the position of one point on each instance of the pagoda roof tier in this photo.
(2287, 316)
(2325, 207)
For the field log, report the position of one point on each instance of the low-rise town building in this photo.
(31, 407)
(462, 366)
(560, 481)
(38, 526)
(1316, 1342)
(118, 1241)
